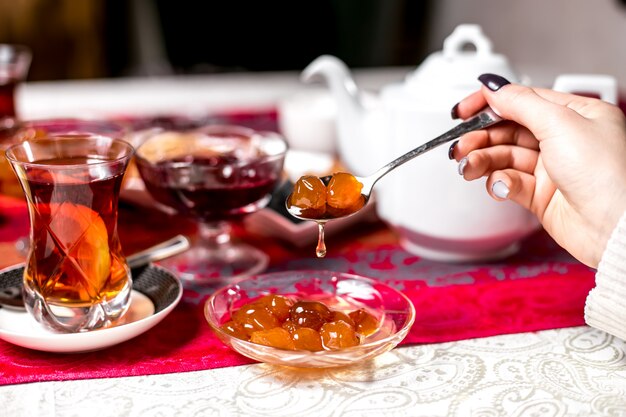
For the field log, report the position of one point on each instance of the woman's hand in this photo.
(561, 156)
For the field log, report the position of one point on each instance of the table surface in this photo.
(576, 371)
(563, 372)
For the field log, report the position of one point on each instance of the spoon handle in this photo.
(485, 118)
(171, 247)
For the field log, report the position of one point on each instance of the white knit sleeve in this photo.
(605, 307)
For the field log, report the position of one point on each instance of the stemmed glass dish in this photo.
(215, 174)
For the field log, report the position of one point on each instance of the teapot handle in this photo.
(463, 35)
(603, 85)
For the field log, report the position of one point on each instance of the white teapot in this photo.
(437, 214)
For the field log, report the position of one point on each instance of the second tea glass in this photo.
(14, 64)
(215, 174)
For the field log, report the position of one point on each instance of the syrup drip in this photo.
(320, 250)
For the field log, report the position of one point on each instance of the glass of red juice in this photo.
(215, 174)
(76, 277)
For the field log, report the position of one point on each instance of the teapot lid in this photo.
(456, 68)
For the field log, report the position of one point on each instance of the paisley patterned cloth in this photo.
(576, 371)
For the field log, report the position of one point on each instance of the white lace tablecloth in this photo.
(568, 372)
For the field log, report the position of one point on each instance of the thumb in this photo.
(523, 105)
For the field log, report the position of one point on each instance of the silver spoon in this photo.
(11, 297)
(481, 120)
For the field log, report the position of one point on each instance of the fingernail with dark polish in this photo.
(451, 149)
(493, 82)
(454, 113)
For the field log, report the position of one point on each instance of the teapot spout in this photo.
(360, 121)
(337, 75)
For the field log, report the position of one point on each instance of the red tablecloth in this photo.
(541, 287)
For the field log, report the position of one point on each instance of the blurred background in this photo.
(123, 38)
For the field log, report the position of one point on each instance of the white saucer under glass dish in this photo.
(156, 292)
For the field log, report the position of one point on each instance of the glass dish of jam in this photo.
(315, 319)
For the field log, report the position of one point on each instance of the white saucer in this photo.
(156, 292)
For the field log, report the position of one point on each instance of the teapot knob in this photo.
(463, 35)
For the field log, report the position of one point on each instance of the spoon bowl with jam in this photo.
(321, 199)
(326, 198)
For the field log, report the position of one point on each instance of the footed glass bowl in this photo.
(339, 291)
